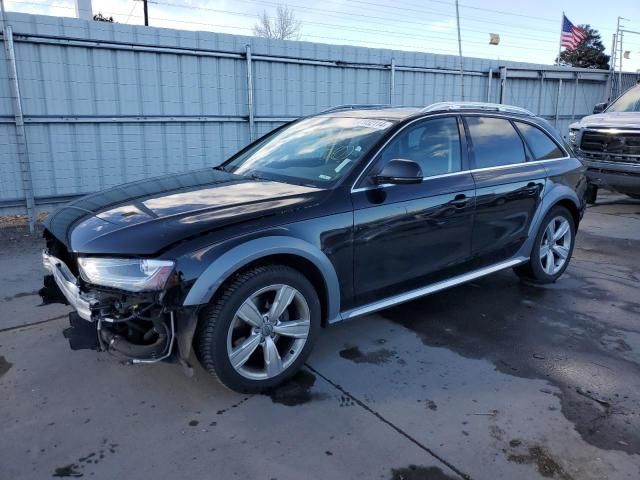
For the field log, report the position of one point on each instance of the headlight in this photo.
(573, 133)
(135, 275)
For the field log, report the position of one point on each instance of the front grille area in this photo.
(618, 146)
(603, 157)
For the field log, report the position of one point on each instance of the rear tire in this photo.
(591, 194)
(250, 340)
(552, 248)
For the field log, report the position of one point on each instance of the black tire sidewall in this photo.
(538, 273)
(218, 345)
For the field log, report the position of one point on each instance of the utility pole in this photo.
(612, 68)
(618, 43)
(460, 52)
(146, 13)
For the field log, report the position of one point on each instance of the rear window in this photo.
(542, 147)
(495, 142)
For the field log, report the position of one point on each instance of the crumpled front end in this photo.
(137, 327)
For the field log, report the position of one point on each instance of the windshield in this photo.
(628, 102)
(316, 151)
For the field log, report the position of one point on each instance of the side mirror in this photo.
(599, 107)
(399, 171)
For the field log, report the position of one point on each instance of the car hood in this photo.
(144, 217)
(610, 120)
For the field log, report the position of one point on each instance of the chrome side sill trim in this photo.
(434, 287)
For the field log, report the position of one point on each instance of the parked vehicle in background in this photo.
(324, 219)
(608, 143)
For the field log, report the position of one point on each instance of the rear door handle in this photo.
(460, 201)
(532, 187)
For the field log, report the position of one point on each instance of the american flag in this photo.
(571, 35)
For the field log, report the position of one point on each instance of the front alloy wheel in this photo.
(259, 328)
(268, 332)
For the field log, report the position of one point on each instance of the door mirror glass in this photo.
(599, 107)
(399, 171)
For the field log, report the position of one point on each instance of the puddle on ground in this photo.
(544, 463)
(296, 391)
(375, 357)
(541, 333)
(416, 472)
(5, 365)
(78, 469)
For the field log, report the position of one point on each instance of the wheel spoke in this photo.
(551, 262)
(544, 250)
(293, 328)
(561, 231)
(284, 297)
(561, 251)
(249, 313)
(272, 359)
(549, 232)
(241, 354)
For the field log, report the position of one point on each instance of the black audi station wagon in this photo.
(326, 218)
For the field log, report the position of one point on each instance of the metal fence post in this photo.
(489, 85)
(540, 92)
(557, 117)
(503, 84)
(21, 138)
(575, 94)
(252, 126)
(392, 81)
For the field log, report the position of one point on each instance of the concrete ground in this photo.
(493, 379)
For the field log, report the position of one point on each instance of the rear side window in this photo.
(495, 142)
(542, 147)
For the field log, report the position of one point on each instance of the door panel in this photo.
(506, 201)
(404, 235)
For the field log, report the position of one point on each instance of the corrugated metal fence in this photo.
(108, 103)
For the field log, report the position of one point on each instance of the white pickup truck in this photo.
(608, 143)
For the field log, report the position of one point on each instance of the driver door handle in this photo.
(460, 200)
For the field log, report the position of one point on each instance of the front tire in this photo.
(552, 248)
(259, 328)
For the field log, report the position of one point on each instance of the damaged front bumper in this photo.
(68, 285)
(135, 327)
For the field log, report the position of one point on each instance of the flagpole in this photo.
(560, 39)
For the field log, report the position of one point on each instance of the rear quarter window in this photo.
(541, 145)
(495, 142)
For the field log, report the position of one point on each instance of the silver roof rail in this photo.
(496, 107)
(355, 106)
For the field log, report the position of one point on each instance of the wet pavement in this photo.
(493, 379)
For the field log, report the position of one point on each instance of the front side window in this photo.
(434, 144)
(495, 142)
(542, 147)
(628, 102)
(316, 151)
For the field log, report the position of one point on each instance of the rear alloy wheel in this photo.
(552, 249)
(259, 329)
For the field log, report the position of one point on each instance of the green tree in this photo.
(589, 53)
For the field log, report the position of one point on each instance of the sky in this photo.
(529, 31)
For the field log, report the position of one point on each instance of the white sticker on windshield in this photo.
(325, 177)
(375, 124)
(343, 164)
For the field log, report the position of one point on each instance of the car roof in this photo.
(380, 113)
(396, 114)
